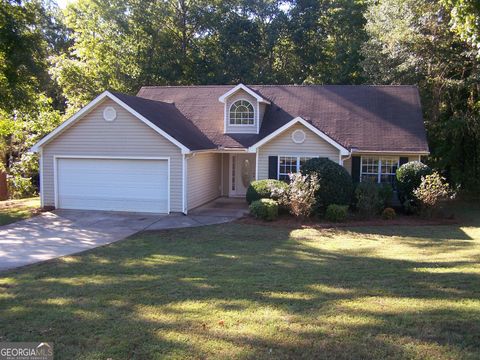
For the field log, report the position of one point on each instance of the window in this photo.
(290, 164)
(378, 170)
(241, 113)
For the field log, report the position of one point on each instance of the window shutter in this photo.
(273, 167)
(403, 160)
(356, 169)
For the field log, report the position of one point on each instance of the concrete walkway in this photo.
(65, 232)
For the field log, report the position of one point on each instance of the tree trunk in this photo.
(3, 186)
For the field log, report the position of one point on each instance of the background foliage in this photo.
(53, 61)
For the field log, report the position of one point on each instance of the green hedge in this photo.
(265, 209)
(372, 198)
(336, 213)
(262, 189)
(409, 177)
(336, 185)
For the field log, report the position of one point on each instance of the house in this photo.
(174, 148)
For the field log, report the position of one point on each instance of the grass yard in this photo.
(240, 291)
(14, 210)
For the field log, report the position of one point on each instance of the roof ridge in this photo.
(278, 85)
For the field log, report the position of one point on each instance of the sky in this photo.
(63, 3)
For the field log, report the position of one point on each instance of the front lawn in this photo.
(256, 292)
(14, 210)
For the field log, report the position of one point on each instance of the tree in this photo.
(29, 33)
(465, 20)
(22, 53)
(411, 41)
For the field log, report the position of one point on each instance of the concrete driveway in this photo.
(64, 232)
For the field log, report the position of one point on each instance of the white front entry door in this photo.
(242, 173)
(112, 184)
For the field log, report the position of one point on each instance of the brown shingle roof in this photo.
(368, 118)
(168, 118)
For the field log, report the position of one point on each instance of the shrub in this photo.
(301, 195)
(388, 214)
(336, 212)
(409, 176)
(335, 183)
(385, 191)
(262, 189)
(431, 191)
(265, 209)
(367, 199)
(410, 207)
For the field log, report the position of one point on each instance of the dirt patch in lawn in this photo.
(289, 221)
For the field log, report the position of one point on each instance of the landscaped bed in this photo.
(258, 292)
(286, 220)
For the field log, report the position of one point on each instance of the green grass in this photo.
(255, 292)
(14, 210)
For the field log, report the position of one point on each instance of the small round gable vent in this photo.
(298, 136)
(109, 114)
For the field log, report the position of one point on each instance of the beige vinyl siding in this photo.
(241, 129)
(125, 136)
(347, 164)
(203, 178)
(283, 144)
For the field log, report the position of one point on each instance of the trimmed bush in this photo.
(385, 191)
(335, 183)
(265, 209)
(409, 177)
(336, 213)
(410, 207)
(368, 200)
(388, 214)
(262, 189)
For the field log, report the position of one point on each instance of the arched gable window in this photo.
(242, 113)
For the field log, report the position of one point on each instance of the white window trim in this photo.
(242, 125)
(298, 162)
(379, 173)
(107, 157)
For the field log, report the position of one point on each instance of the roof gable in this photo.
(241, 87)
(299, 120)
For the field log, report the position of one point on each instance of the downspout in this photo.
(347, 158)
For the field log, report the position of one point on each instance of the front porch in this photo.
(238, 171)
(224, 207)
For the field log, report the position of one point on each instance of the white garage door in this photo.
(112, 184)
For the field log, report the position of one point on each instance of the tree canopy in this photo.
(53, 61)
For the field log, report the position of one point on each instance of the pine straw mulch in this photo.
(289, 221)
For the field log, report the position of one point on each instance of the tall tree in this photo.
(410, 41)
(28, 35)
(324, 39)
(465, 20)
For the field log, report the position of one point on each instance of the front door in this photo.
(242, 172)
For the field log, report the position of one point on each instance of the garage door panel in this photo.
(113, 184)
